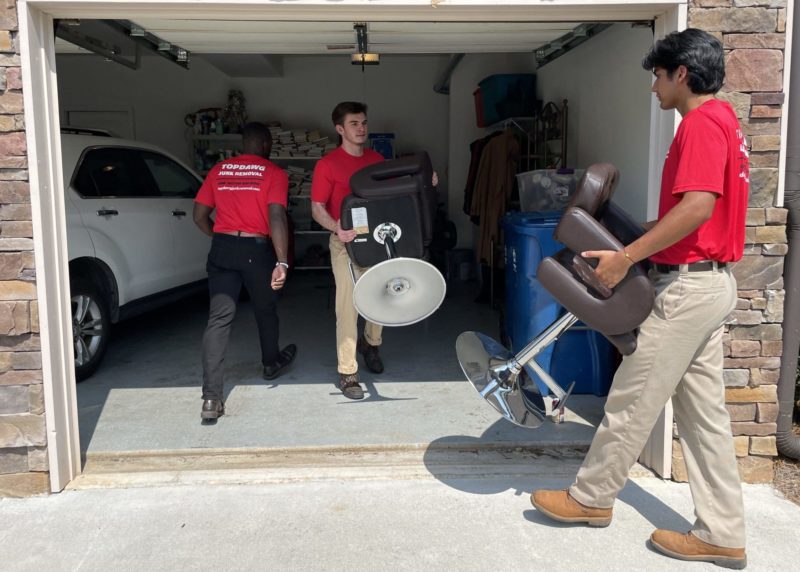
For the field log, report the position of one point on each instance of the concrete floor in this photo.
(398, 525)
(146, 395)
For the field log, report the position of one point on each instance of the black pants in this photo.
(234, 261)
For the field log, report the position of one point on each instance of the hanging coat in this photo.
(493, 187)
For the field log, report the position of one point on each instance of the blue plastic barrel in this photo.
(580, 355)
(585, 357)
(529, 307)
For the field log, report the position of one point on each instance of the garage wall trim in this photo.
(42, 129)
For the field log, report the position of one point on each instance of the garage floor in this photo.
(146, 395)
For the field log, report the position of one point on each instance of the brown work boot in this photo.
(560, 506)
(689, 547)
(348, 383)
(372, 358)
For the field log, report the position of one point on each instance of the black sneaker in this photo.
(212, 409)
(372, 358)
(348, 384)
(285, 358)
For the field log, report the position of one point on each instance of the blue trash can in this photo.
(585, 357)
(580, 355)
(529, 307)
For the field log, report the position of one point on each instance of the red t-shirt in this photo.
(709, 153)
(241, 190)
(331, 182)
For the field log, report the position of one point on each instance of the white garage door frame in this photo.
(44, 152)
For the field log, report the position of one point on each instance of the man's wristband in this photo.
(628, 256)
(284, 264)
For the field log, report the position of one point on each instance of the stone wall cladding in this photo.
(23, 443)
(752, 34)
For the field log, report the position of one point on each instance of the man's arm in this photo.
(201, 214)
(694, 208)
(279, 232)
(321, 216)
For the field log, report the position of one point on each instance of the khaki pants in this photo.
(679, 356)
(346, 315)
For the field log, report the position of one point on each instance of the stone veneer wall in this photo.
(23, 451)
(753, 35)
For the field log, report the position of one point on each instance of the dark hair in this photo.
(257, 133)
(347, 108)
(256, 139)
(699, 51)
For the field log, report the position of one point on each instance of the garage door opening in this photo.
(145, 395)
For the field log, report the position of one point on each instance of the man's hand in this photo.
(345, 235)
(613, 266)
(278, 277)
(435, 179)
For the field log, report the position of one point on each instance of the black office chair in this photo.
(392, 206)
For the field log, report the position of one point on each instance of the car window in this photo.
(113, 172)
(172, 179)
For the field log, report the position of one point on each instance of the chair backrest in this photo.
(407, 176)
(398, 193)
(571, 280)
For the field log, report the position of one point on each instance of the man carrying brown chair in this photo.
(700, 231)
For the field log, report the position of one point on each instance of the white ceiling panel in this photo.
(268, 37)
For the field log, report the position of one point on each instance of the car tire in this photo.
(90, 327)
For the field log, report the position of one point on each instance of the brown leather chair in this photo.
(592, 222)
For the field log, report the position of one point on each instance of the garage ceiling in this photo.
(257, 37)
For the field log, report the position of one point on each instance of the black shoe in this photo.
(285, 358)
(348, 384)
(212, 409)
(372, 358)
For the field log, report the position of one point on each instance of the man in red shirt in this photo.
(330, 185)
(699, 233)
(249, 247)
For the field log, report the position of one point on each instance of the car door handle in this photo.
(177, 212)
(107, 212)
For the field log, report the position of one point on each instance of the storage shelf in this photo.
(218, 137)
(296, 158)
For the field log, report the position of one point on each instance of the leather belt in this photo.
(702, 266)
(243, 234)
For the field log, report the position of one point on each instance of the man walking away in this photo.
(249, 247)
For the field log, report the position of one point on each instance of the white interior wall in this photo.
(463, 125)
(602, 79)
(609, 107)
(399, 93)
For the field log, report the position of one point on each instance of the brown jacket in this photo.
(493, 186)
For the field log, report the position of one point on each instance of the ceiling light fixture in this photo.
(363, 57)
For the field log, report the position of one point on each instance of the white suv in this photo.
(131, 240)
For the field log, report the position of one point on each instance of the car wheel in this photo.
(90, 327)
